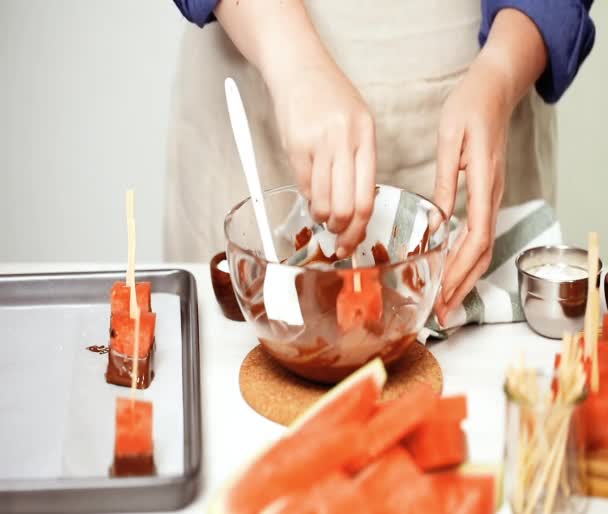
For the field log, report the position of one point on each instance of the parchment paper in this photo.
(57, 412)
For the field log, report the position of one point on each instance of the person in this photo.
(451, 99)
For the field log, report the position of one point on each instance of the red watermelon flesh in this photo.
(594, 414)
(395, 420)
(437, 445)
(355, 308)
(464, 494)
(295, 462)
(393, 485)
(120, 297)
(335, 494)
(352, 401)
(450, 408)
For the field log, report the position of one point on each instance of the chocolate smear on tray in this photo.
(98, 349)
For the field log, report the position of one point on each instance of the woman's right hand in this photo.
(324, 124)
(328, 133)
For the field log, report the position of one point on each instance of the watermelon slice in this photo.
(120, 297)
(439, 442)
(133, 446)
(437, 445)
(354, 399)
(295, 462)
(335, 494)
(461, 493)
(345, 456)
(393, 485)
(357, 308)
(395, 420)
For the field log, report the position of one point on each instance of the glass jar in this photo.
(544, 452)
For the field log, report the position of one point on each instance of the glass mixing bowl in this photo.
(322, 318)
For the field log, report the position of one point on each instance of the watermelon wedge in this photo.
(461, 493)
(437, 445)
(439, 442)
(352, 400)
(395, 420)
(323, 441)
(335, 494)
(347, 454)
(295, 462)
(394, 485)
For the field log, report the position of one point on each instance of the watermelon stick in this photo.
(135, 369)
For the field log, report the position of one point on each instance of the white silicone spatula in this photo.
(280, 295)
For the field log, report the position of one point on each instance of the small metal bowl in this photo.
(553, 305)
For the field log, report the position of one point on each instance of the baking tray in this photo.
(27, 296)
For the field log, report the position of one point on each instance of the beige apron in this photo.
(404, 57)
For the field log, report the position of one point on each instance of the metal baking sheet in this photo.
(57, 412)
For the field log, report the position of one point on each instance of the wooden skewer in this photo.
(131, 268)
(135, 366)
(544, 430)
(356, 276)
(131, 237)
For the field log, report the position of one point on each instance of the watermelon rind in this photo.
(375, 368)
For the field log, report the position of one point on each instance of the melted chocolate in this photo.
(120, 368)
(303, 237)
(321, 351)
(423, 246)
(98, 349)
(380, 253)
(133, 465)
(412, 279)
(320, 257)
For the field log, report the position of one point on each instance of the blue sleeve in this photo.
(567, 31)
(197, 11)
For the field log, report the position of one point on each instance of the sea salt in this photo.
(558, 272)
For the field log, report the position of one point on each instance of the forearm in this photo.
(274, 36)
(516, 51)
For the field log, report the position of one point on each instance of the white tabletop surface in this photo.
(473, 361)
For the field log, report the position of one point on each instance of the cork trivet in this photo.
(281, 396)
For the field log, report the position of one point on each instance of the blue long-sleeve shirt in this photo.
(565, 25)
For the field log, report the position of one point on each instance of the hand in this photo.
(472, 138)
(324, 124)
(328, 133)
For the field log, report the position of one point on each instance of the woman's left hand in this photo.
(472, 140)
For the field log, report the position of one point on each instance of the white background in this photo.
(84, 99)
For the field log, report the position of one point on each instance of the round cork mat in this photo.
(281, 396)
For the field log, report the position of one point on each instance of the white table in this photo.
(473, 361)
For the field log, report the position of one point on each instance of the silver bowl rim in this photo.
(442, 247)
(577, 249)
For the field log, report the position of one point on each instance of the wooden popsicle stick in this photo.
(135, 366)
(356, 276)
(131, 269)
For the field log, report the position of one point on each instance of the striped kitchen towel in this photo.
(495, 299)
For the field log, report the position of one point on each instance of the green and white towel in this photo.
(495, 298)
